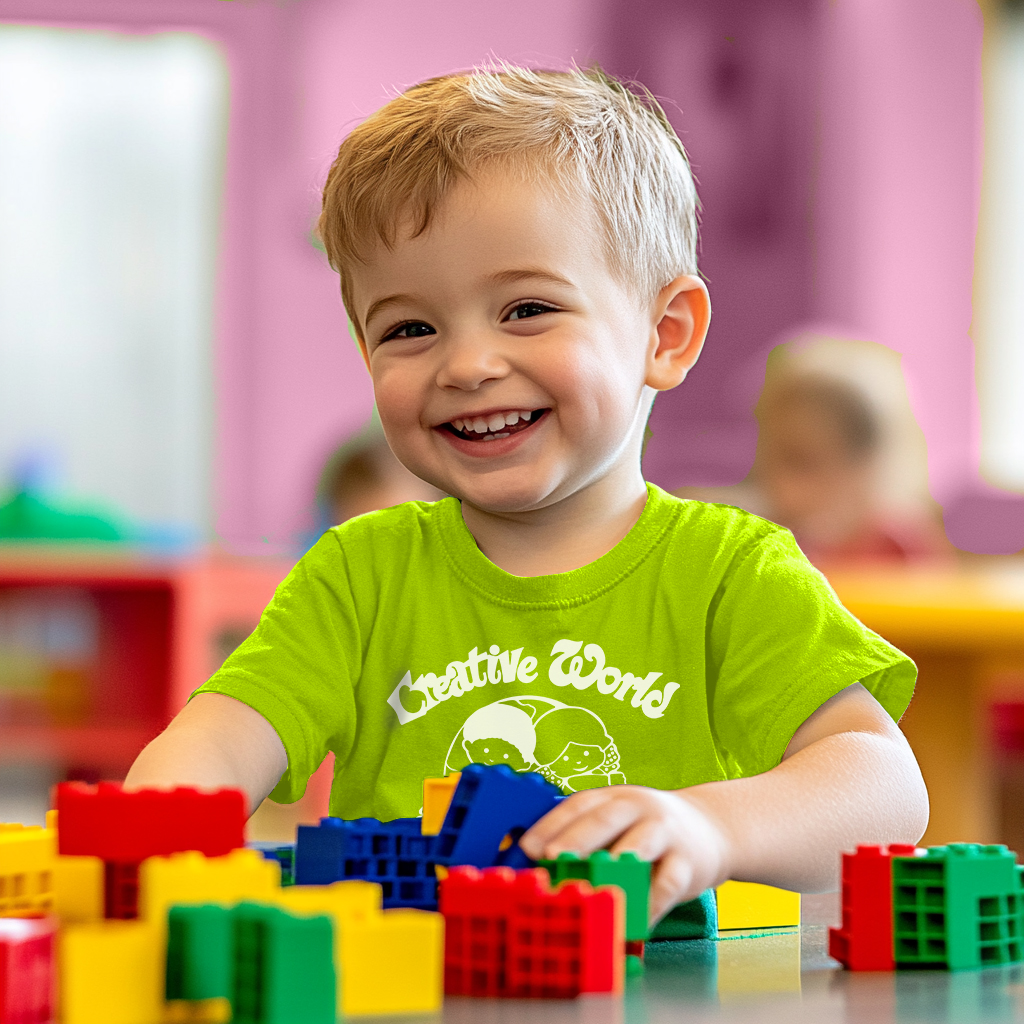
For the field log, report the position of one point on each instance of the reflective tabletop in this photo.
(785, 976)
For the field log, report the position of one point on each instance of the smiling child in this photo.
(517, 253)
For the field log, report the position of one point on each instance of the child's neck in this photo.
(566, 535)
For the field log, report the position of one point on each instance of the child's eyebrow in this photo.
(382, 304)
(528, 274)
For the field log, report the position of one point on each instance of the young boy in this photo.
(517, 255)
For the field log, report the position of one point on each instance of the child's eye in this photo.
(528, 309)
(410, 329)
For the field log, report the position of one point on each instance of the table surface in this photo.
(783, 977)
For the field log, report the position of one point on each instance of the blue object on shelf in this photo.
(490, 803)
(391, 853)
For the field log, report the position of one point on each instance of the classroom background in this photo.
(183, 410)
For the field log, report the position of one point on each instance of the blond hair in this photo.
(590, 135)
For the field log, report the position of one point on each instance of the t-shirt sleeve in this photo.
(299, 666)
(780, 644)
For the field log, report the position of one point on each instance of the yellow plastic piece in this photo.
(391, 962)
(192, 878)
(27, 855)
(750, 967)
(78, 889)
(750, 905)
(111, 972)
(51, 819)
(387, 961)
(197, 1011)
(342, 900)
(437, 795)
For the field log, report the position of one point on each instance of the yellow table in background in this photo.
(964, 627)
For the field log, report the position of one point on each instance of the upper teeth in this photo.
(488, 425)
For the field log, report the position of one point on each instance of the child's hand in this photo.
(689, 848)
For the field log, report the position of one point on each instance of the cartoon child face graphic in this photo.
(500, 734)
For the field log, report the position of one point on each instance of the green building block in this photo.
(696, 919)
(959, 906)
(200, 960)
(626, 870)
(284, 967)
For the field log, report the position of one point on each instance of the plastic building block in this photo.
(957, 907)
(368, 945)
(120, 891)
(284, 967)
(200, 953)
(26, 971)
(695, 919)
(78, 895)
(197, 1011)
(750, 905)
(626, 870)
(437, 795)
(394, 854)
(283, 853)
(509, 933)
(111, 972)
(864, 942)
(193, 878)
(490, 803)
(392, 962)
(26, 870)
(106, 822)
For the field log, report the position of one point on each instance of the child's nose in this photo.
(468, 361)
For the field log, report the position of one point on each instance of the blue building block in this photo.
(391, 853)
(283, 853)
(489, 803)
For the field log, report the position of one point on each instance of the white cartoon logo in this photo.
(569, 746)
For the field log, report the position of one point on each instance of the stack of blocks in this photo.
(508, 933)
(948, 907)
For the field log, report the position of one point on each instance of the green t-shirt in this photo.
(691, 651)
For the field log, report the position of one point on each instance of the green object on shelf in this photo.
(25, 517)
(284, 967)
(200, 961)
(958, 907)
(697, 919)
(631, 874)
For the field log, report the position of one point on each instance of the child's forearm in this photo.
(788, 826)
(214, 741)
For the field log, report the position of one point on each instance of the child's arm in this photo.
(848, 776)
(215, 740)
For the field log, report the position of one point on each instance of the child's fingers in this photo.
(671, 883)
(582, 825)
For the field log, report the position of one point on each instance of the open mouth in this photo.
(494, 427)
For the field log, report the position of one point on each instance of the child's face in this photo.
(511, 367)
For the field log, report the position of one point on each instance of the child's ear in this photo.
(682, 312)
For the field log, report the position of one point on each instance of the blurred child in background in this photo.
(840, 459)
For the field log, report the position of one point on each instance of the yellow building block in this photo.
(342, 900)
(27, 855)
(437, 795)
(111, 972)
(751, 967)
(391, 962)
(51, 819)
(192, 878)
(749, 905)
(78, 889)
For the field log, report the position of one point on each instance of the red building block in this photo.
(27, 976)
(120, 891)
(864, 942)
(509, 933)
(106, 822)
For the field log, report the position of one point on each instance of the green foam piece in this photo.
(200, 961)
(631, 874)
(958, 907)
(697, 919)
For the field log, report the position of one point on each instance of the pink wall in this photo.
(881, 201)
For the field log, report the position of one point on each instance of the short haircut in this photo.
(590, 135)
